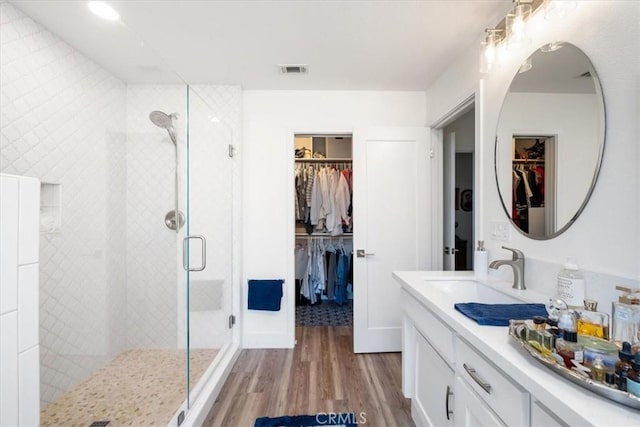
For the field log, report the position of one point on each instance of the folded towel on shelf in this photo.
(265, 294)
(499, 314)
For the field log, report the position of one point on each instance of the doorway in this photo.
(458, 209)
(323, 181)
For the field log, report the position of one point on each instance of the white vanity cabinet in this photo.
(449, 382)
(542, 417)
(427, 359)
(433, 392)
(505, 398)
(470, 410)
(494, 382)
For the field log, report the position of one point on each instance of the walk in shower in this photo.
(137, 273)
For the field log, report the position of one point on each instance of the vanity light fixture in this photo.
(489, 50)
(558, 9)
(103, 10)
(515, 22)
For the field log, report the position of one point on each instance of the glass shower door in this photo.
(207, 240)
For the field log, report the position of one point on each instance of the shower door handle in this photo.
(185, 262)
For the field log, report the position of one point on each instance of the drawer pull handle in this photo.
(446, 402)
(482, 383)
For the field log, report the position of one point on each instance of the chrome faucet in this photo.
(517, 263)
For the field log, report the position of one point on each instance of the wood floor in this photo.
(320, 375)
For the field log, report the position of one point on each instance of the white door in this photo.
(449, 188)
(391, 228)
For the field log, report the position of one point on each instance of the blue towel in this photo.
(499, 314)
(265, 294)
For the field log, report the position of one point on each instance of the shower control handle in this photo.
(185, 262)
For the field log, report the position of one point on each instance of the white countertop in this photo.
(573, 404)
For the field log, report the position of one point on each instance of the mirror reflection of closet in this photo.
(534, 184)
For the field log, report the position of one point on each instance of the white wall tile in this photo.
(104, 286)
(28, 306)
(62, 120)
(29, 221)
(29, 394)
(9, 369)
(9, 194)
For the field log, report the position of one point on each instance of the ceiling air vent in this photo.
(293, 68)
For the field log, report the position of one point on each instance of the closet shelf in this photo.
(328, 160)
(309, 236)
(528, 160)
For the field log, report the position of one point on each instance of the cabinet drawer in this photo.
(506, 399)
(432, 328)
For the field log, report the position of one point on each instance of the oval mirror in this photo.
(550, 140)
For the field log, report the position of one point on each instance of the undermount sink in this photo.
(472, 291)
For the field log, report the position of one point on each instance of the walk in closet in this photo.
(323, 192)
(533, 203)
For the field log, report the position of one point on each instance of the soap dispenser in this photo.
(571, 284)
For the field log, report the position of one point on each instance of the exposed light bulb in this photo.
(516, 29)
(103, 10)
(489, 50)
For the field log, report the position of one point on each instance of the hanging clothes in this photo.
(327, 269)
(324, 199)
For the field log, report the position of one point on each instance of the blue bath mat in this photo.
(499, 314)
(319, 420)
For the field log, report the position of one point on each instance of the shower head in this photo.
(164, 121)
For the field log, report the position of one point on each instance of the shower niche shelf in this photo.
(50, 207)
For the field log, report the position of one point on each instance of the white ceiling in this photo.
(348, 45)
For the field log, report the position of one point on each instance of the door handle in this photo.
(446, 402)
(482, 383)
(185, 263)
(360, 253)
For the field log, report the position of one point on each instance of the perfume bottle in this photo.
(626, 317)
(592, 322)
(536, 331)
(569, 349)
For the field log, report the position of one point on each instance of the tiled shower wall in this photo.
(108, 276)
(151, 247)
(62, 121)
(156, 315)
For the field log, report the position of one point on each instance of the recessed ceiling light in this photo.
(103, 10)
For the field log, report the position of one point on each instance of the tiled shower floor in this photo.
(137, 388)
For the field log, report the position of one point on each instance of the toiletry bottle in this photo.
(591, 322)
(536, 331)
(481, 260)
(597, 369)
(633, 377)
(567, 320)
(623, 366)
(569, 349)
(571, 284)
(626, 317)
